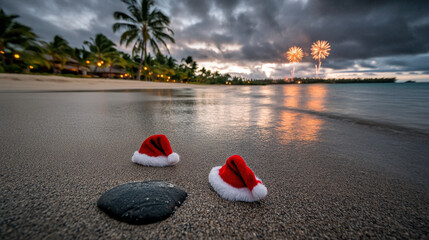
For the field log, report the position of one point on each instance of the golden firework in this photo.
(294, 54)
(320, 49)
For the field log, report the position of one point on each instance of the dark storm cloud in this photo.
(74, 20)
(254, 30)
(356, 29)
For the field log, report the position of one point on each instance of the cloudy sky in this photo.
(249, 37)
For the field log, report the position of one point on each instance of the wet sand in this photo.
(326, 178)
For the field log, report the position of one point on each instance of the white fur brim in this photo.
(160, 161)
(229, 192)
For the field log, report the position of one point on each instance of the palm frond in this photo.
(128, 36)
(126, 26)
(154, 46)
(124, 17)
(163, 43)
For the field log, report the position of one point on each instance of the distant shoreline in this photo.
(316, 80)
(34, 82)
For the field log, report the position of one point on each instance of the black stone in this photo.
(142, 202)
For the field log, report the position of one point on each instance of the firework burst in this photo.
(320, 50)
(294, 55)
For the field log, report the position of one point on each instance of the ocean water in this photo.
(274, 126)
(395, 106)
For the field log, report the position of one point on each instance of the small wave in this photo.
(367, 122)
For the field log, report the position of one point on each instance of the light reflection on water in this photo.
(287, 113)
(312, 97)
(295, 126)
(240, 111)
(298, 127)
(318, 97)
(291, 96)
(283, 113)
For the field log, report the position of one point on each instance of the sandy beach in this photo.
(65, 141)
(28, 82)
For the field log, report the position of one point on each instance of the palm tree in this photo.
(146, 25)
(126, 63)
(35, 55)
(188, 60)
(59, 50)
(13, 35)
(111, 60)
(203, 71)
(171, 62)
(100, 47)
(81, 56)
(189, 67)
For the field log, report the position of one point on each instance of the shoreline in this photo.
(16, 82)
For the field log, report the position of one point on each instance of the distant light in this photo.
(102, 61)
(31, 67)
(168, 77)
(162, 75)
(88, 62)
(299, 82)
(122, 76)
(145, 68)
(16, 55)
(2, 52)
(173, 81)
(99, 64)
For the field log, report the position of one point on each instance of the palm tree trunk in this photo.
(145, 57)
(140, 66)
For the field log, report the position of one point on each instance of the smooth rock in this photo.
(142, 202)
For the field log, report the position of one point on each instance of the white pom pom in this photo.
(173, 158)
(259, 191)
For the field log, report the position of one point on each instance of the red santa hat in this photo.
(156, 151)
(235, 181)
